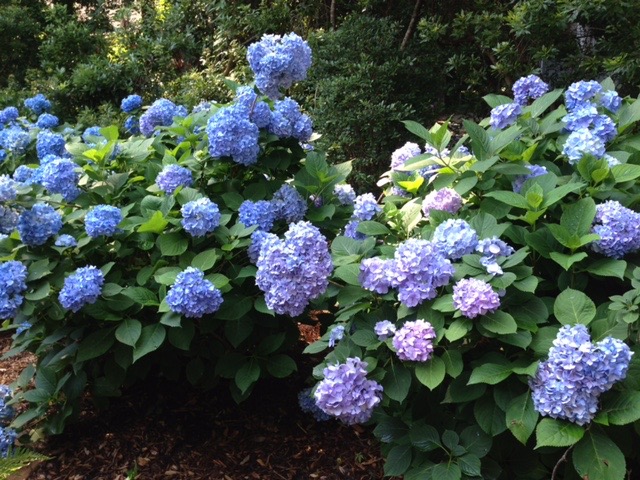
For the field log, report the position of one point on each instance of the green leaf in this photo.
(446, 471)
(431, 373)
(623, 408)
(573, 306)
(247, 375)
(397, 382)
(452, 362)
(424, 437)
(490, 373)
(560, 192)
(373, 228)
(172, 244)
(390, 429)
(41, 293)
(348, 274)
(156, 224)
(281, 365)
(489, 416)
(458, 329)
(205, 260)
(141, 295)
(151, 339)
(608, 267)
(557, 433)
(597, 457)
(181, 337)
(521, 417)
(499, 322)
(417, 130)
(128, 332)
(566, 261)
(494, 100)
(578, 217)
(95, 344)
(480, 141)
(398, 460)
(540, 105)
(509, 198)
(475, 441)
(470, 465)
(625, 172)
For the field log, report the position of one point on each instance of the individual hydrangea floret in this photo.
(232, 134)
(445, 199)
(611, 101)
(15, 140)
(366, 207)
(577, 371)
(580, 93)
(346, 393)
(38, 104)
(102, 220)
(404, 153)
(308, 405)
(8, 188)
(536, 171)
(46, 120)
(192, 295)
(261, 213)
(132, 125)
(259, 238)
(376, 274)
(65, 241)
(200, 217)
(351, 230)
(8, 115)
(384, 330)
(295, 270)
(504, 115)
(619, 230)
(38, 224)
(491, 249)
(455, 238)
(160, 114)
(582, 142)
(82, 287)
(173, 176)
(13, 277)
(345, 193)
(337, 334)
(8, 220)
(49, 143)
(529, 87)
(278, 62)
(60, 176)
(288, 204)
(473, 297)
(131, 103)
(414, 341)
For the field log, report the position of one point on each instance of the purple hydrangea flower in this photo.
(261, 213)
(65, 241)
(288, 204)
(39, 224)
(259, 238)
(619, 230)
(131, 103)
(455, 238)
(366, 207)
(13, 277)
(475, 297)
(288, 121)
(611, 101)
(351, 230)
(200, 217)
(345, 193)
(580, 93)
(384, 330)
(38, 104)
(173, 176)
(192, 295)
(81, 287)
(46, 120)
(9, 115)
(102, 220)
(491, 249)
(60, 176)
(529, 87)
(346, 393)
(404, 153)
(376, 274)
(445, 199)
(92, 134)
(337, 334)
(536, 171)
(49, 143)
(582, 142)
(414, 341)
(611, 161)
(159, 114)
(504, 115)
(308, 405)
(232, 134)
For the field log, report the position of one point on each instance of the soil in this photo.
(163, 430)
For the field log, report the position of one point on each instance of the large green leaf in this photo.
(521, 417)
(398, 460)
(490, 373)
(557, 433)
(96, 344)
(431, 373)
(622, 408)
(397, 382)
(172, 244)
(128, 332)
(597, 457)
(573, 306)
(150, 340)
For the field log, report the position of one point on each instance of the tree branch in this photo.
(413, 24)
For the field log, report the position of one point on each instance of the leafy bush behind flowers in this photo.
(490, 295)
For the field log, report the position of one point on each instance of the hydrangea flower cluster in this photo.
(345, 193)
(384, 330)
(445, 199)
(38, 104)
(295, 270)
(583, 142)
(337, 334)
(504, 115)
(414, 341)
(404, 153)
(49, 143)
(346, 393)
(288, 204)
(278, 62)
(192, 295)
(611, 101)
(376, 274)
(46, 120)
(8, 220)
(6, 411)
(60, 176)
(529, 87)
(351, 230)
(159, 114)
(232, 134)
(619, 230)
(131, 103)
(13, 276)
(260, 213)
(38, 224)
(366, 207)
(287, 121)
(8, 188)
(259, 238)
(255, 110)
(536, 171)
(308, 405)
(473, 297)
(455, 238)
(200, 217)
(132, 125)
(65, 241)
(23, 327)
(8, 437)
(580, 93)
(9, 115)
(82, 287)
(569, 383)
(102, 220)
(173, 176)
(491, 249)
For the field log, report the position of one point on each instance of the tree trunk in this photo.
(332, 14)
(413, 24)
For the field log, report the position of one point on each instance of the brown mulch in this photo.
(163, 430)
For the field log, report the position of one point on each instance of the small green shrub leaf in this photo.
(431, 373)
(573, 306)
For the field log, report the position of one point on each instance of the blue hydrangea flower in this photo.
(8, 437)
(536, 171)
(619, 230)
(13, 277)
(345, 392)
(604, 128)
(337, 334)
(6, 411)
(261, 213)
(455, 238)
(8, 188)
(308, 405)
(39, 224)
(38, 104)
(366, 207)
(580, 93)
(256, 111)
(160, 114)
(173, 176)
(232, 134)
(200, 217)
(504, 115)
(131, 103)
(384, 330)
(295, 270)
(65, 241)
(46, 120)
(288, 121)
(49, 143)
(192, 295)
(3, 155)
(132, 125)
(259, 238)
(345, 194)
(278, 62)
(91, 135)
(611, 161)
(611, 101)
(23, 327)
(102, 220)
(582, 142)
(414, 341)
(60, 176)
(8, 220)
(82, 287)
(400, 156)
(376, 274)
(445, 199)
(462, 151)
(351, 230)
(529, 87)
(473, 297)
(288, 204)
(15, 140)
(203, 106)
(582, 117)
(27, 175)
(491, 249)
(9, 115)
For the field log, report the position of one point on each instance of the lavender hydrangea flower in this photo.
(473, 297)
(295, 270)
(46, 120)
(39, 224)
(278, 62)
(91, 135)
(366, 207)
(102, 220)
(346, 393)
(288, 204)
(536, 171)
(504, 115)
(404, 153)
(13, 277)
(455, 238)
(200, 217)
(582, 117)
(308, 405)
(604, 128)
(159, 114)
(582, 142)
(376, 274)
(260, 213)
(49, 143)
(82, 287)
(192, 295)
(414, 341)
(173, 176)
(131, 103)
(611, 101)
(569, 383)
(24, 174)
(491, 249)
(619, 230)
(232, 134)
(529, 87)
(60, 176)
(337, 334)
(8, 115)
(65, 241)
(8, 188)
(384, 330)
(579, 93)
(445, 199)
(38, 104)
(611, 161)
(351, 230)
(287, 121)
(345, 194)
(259, 238)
